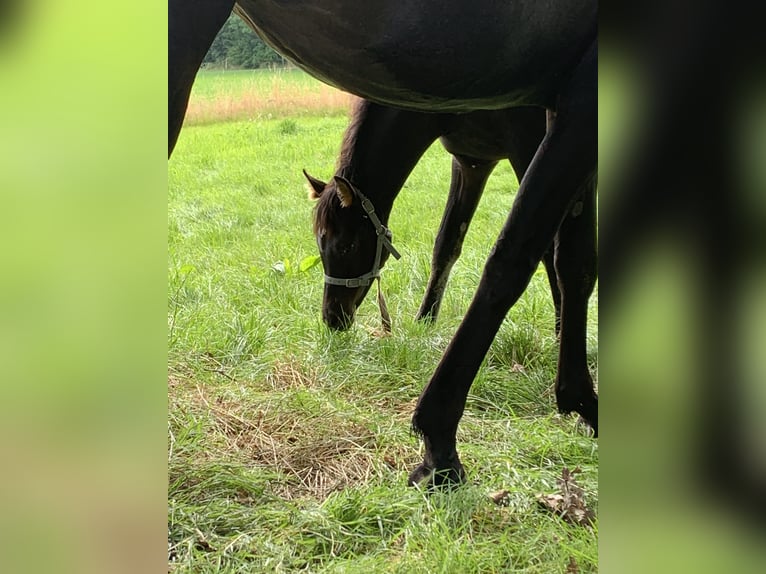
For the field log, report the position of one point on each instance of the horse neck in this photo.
(381, 147)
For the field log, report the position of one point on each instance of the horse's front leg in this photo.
(576, 268)
(440, 407)
(565, 161)
(192, 27)
(469, 177)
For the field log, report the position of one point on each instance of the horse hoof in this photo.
(586, 407)
(419, 475)
(591, 425)
(429, 479)
(588, 410)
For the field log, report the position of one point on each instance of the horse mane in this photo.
(358, 114)
(326, 207)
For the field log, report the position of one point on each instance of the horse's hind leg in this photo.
(553, 281)
(576, 268)
(469, 176)
(567, 155)
(192, 27)
(527, 131)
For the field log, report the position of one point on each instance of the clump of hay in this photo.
(317, 451)
(280, 424)
(317, 454)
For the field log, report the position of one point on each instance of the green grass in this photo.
(213, 84)
(289, 446)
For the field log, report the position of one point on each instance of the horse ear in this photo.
(316, 186)
(345, 191)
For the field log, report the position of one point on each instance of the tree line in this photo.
(237, 46)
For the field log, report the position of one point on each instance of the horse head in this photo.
(353, 245)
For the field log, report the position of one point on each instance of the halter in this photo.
(384, 240)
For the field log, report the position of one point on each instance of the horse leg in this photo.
(528, 130)
(468, 180)
(553, 281)
(565, 160)
(576, 267)
(192, 27)
(550, 271)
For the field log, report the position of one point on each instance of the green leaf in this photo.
(186, 269)
(309, 262)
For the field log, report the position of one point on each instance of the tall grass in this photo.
(289, 445)
(257, 94)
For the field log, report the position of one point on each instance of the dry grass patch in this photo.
(316, 452)
(292, 374)
(282, 99)
(313, 448)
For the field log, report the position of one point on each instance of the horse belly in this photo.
(493, 135)
(436, 55)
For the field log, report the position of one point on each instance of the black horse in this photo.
(380, 148)
(445, 56)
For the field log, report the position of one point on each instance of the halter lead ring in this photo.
(384, 240)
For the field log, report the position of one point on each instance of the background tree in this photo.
(237, 46)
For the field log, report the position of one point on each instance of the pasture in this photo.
(288, 445)
(261, 94)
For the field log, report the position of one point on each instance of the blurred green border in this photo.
(83, 185)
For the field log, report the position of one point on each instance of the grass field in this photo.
(288, 445)
(261, 94)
